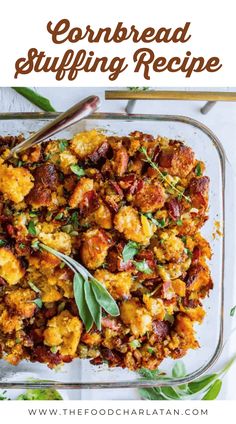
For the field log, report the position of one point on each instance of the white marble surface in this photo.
(222, 121)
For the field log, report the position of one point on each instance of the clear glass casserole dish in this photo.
(80, 373)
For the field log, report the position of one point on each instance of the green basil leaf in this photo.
(77, 170)
(93, 305)
(2, 243)
(178, 370)
(199, 385)
(130, 250)
(35, 98)
(142, 267)
(213, 391)
(85, 315)
(104, 298)
(32, 229)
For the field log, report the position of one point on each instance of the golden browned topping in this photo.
(129, 209)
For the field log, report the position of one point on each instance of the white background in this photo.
(23, 25)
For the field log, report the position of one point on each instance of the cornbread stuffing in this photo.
(129, 209)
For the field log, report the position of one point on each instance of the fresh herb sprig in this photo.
(208, 386)
(162, 175)
(90, 295)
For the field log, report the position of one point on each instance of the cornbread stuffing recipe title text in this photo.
(144, 60)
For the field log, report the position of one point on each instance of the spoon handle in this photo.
(77, 112)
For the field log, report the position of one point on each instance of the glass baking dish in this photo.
(80, 373)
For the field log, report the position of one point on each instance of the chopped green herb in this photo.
(38, 302)
(232, 311)
(142, 267)
(67, 228)
(21, 245)
(135, 344)
(32, 214)
(184, 239)
(188, 252)
(54, 349)
(32, 229)
(19, 163)
(179, 222)
(34, 287)
(2, 242)
(198, 170)
(35, 244)
(59, 216)
(61, 307)
(169, 318)
(77, 170)
(151, 350)
(63, 144)
(158, 222)
(75, 220)
(130, 250)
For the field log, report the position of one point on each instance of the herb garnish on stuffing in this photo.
(129, 210)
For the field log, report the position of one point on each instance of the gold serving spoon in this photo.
(76, 113)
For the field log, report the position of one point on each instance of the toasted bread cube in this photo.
(64, 331)
(10, 267)
(15, 183)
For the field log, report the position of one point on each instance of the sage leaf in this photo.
(152, 394)
(88, 311)
(199, 385)
(178, 370)
(85, 315)
(213, 391)
(130, 250)
(93, 305)
(169, 392)
(35, 98)
(104, 298)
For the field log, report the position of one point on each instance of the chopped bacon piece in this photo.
(111, 323)
(101, 152)
(120, 161)
(161, 329)
(174, 208)
(89, 202)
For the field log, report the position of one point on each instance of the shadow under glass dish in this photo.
(207, 147)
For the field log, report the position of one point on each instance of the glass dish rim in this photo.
(142, 383)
